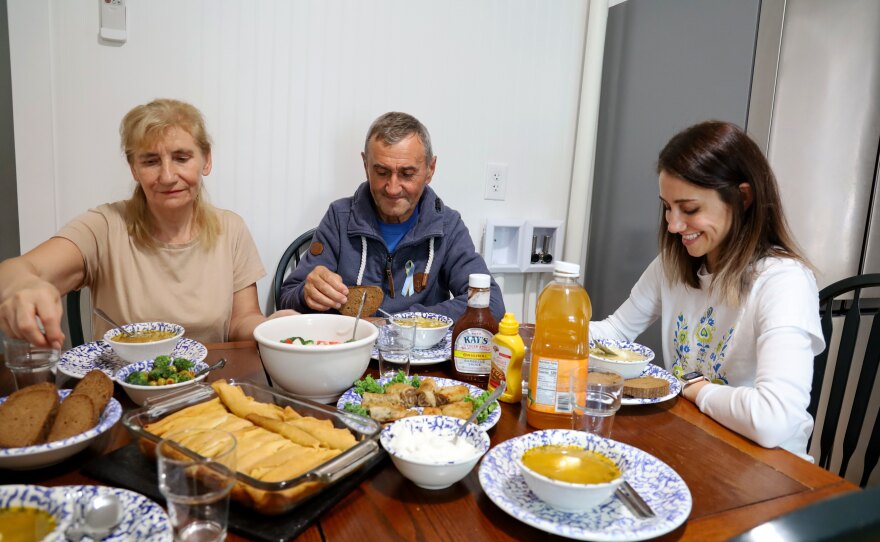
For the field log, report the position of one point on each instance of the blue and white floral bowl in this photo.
(426, 337)
(41, 498)
(132, 352)
(626, 369)
(432, 473)
(140, 394)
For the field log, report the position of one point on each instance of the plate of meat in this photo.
(387, 400)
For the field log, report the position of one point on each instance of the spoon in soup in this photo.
(358, 317)
(103, 315)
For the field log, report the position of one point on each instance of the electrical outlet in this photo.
(496, 181)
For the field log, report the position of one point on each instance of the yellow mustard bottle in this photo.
(507, 359)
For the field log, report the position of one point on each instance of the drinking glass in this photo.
(601, 402)
(527, 334)
(395, 349)
(30, 364)
(196, 487)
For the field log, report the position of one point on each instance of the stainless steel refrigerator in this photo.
(803, 77)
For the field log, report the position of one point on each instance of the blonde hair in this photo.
(143, 127)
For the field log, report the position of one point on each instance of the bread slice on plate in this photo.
(97, 386)
(371, 304)
(646, 387)
(25, 417)
(77, 414)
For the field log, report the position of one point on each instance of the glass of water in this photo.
(601, 402)
(30, 364)
(395, 347)
(196, 486)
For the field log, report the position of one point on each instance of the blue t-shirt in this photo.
(393, 233)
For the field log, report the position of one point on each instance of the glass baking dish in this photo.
(267, 497)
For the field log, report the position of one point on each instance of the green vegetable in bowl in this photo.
(138, 378)
(163, 373)
(183, 364)
(478, 401)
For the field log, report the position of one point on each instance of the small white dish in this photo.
(41, 498)
(140, 394)
(433, 472)
(626, 369)
(426, 337)
(659, 372)
(43, 455)
(568, 496)
(142, 519)
(132, 352)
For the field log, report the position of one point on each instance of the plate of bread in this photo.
(41, 425)
(654, 385)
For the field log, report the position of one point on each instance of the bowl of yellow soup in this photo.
(148, 340)
(430, 327)
(569, 477)
(629, 359)
(31, 512)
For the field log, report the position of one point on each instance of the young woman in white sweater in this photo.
(737, 301)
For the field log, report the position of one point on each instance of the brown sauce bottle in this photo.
(472, 334)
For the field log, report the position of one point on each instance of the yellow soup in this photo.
(420, 321)
(573, 464)
(620, 354)
(148, 336)
(24, 524)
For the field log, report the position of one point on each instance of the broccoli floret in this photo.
(368, 384)
(356, 409)
(182, 364)
(171, 379)
(138, 378)
(161, 361)
(477, 401)
(155, 374)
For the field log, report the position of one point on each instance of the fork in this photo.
(633, 501)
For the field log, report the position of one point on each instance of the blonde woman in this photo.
(164, 254)
(738, 303)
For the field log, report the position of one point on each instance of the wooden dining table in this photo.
(735, 484)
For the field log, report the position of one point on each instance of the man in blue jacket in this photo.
(394, 232)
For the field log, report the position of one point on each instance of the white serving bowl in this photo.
(427, 472)
(317, 372)
(626, 369)
(132, 352)
(571, 497)
(41, 498)
(426, 337)
(43, 455)
(139, 394)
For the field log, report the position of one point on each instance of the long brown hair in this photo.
(720, 156)
(141, 128)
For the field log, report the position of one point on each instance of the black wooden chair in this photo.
(834, 302)
(74, 319)
(293, 254)
(851, 517)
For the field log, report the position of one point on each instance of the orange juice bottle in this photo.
(560, 350)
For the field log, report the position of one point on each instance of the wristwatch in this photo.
(691, 378)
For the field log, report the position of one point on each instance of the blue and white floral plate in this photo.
(78, 361)
(142, 519)
(659, 372)
(351, 397)
(439, 353)
(43, 455)
(660, 486)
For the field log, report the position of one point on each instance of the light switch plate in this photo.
(113, 20)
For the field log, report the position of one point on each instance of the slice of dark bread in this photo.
(76, 415)
(646, 387)
(97, 386)
(35, 387)
(371, 304)
(25, 417)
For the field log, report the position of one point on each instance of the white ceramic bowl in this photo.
(317, 372)
(132, 352)
(400, 438)
(43, 455)
(571, 497)
(626, 369)
(139, 394)
(41, 498)
(426, 337)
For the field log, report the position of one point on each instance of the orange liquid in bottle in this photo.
(560, 351)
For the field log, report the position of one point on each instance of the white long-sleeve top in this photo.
(758, 356)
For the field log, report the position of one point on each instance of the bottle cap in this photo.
(566, 269)
(479, 280)
(508, 325)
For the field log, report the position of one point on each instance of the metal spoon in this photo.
(606, 349)
(492, 398)
(102, 514)
(358, 317)
(103, 315)
(219, 365)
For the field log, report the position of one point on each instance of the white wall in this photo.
(288, 89)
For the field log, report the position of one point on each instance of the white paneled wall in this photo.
(288, 89)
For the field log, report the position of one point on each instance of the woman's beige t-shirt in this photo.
(185, 284)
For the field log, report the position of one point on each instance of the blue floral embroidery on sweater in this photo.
(707, 359)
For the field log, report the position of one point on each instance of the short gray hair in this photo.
(393, 127)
